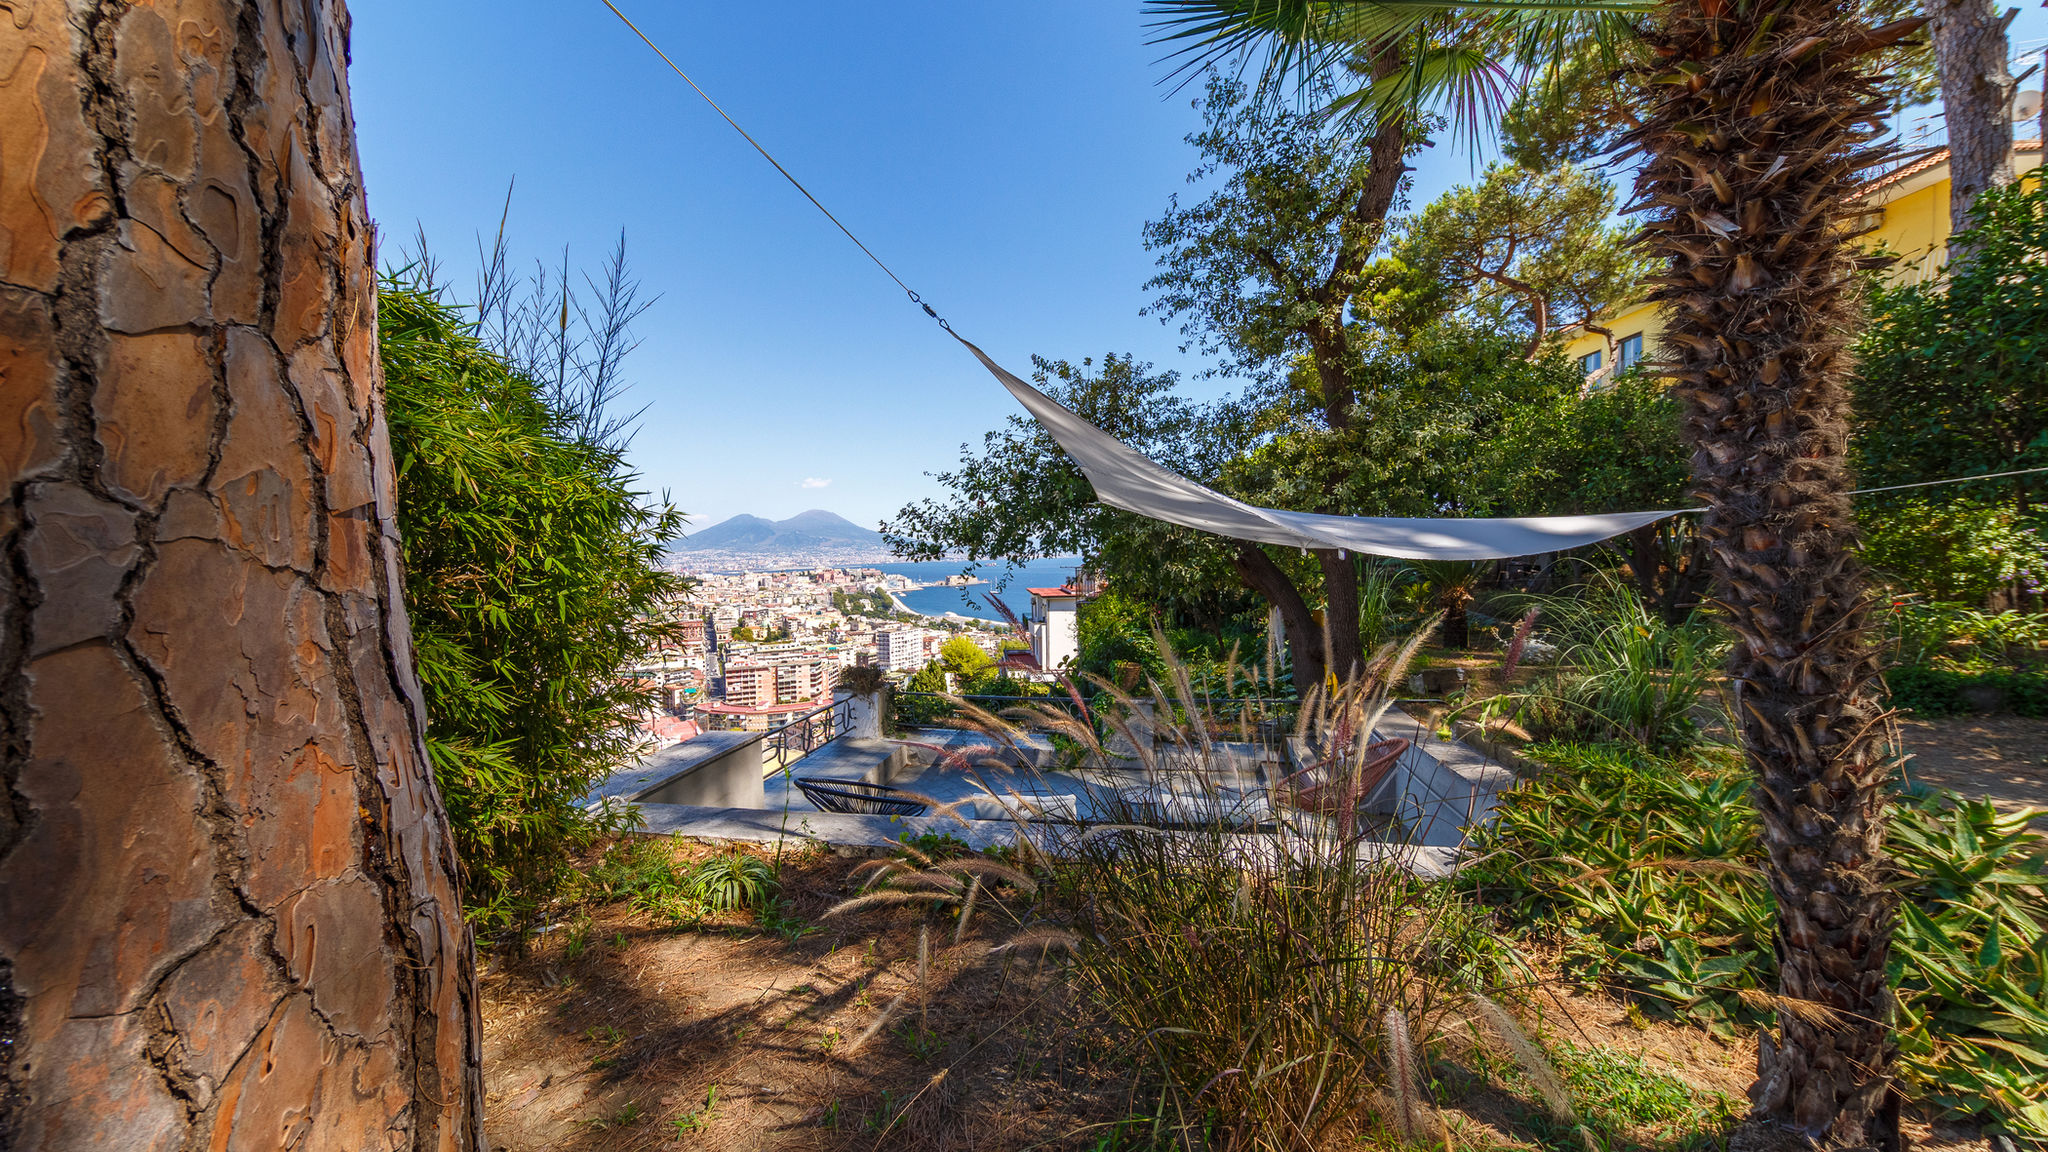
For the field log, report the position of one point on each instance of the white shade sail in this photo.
(1125, 479)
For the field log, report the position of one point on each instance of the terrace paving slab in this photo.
(847, 758)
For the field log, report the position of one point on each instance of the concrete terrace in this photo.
(700, 790)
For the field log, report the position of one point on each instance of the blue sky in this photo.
(1001, 157)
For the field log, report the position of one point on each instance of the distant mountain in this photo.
(813, 533)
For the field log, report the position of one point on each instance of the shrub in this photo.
(1956, 550)
(642, 870)
(1954, 371)
(1933, 691)
(1623, 671)
(1646, 872)
(1951, 659)
(1956, 635)
(532, 573)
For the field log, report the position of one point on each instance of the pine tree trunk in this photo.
(1760, 125)
(1976, 100)
(228, 906)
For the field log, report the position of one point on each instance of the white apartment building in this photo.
(901, 649)
(1055, 626)
(805, 679)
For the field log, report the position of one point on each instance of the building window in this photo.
(1590, 362)
(1631, 351)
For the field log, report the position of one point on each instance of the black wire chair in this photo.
(857, 797)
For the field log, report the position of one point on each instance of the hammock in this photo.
(1127, 480)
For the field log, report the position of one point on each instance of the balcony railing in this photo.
(806, 733)
(933, 710)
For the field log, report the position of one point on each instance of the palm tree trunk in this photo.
(228, 903)
(1457, 629)
(1761, 123)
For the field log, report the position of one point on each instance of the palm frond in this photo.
(1458, 58)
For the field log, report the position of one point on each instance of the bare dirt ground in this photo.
(2002, 757)
(617, 1031)
(625, 1033)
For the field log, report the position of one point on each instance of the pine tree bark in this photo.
(1976, 99)
(228, 905)
(1761, 122)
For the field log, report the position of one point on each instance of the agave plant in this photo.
(731, 881)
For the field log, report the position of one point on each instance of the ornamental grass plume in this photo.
(1252, 952)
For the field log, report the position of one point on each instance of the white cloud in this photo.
(814, 482)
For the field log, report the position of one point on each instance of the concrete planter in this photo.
(864, 713)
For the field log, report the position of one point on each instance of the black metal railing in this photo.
(809, 732)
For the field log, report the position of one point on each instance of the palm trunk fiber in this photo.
(1760, 122)
(228, 903)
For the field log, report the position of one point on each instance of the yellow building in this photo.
(1912, 203)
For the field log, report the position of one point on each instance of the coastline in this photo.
(950, 617)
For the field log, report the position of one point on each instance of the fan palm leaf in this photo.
(1458, 59)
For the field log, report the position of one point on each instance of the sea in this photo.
(1009, 583)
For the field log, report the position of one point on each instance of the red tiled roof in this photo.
(1935, 159)
(1062, 590)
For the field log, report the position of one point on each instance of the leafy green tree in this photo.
(1572, 111)
(963, 657)
(1021, 498)
(1432, 407)
(1954, 372)
(930, 678)
(1612, 449)
(1533, 246)
(1266, 269)
(532, 575)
